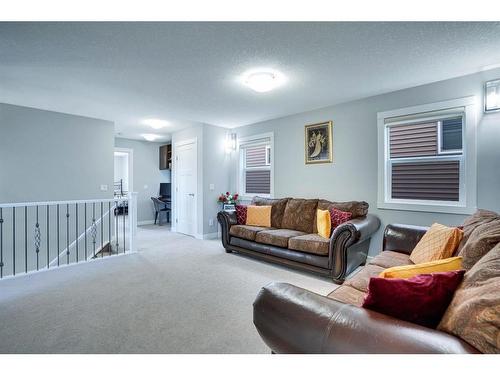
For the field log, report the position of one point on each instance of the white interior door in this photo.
(186, 188)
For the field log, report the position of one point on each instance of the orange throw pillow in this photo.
(439, 242)
(405, 272)
(259, 216)
(324, 223)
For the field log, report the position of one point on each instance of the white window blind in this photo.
(255, 171)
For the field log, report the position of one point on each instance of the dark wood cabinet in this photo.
(166, 157)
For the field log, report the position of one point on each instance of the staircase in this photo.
(37, 236)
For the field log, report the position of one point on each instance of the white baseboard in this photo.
(145, 222)
(206, 236)
(211, 236)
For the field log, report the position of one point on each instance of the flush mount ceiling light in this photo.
(150, 137)
(263, 80)
(155, 123)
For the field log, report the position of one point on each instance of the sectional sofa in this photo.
(294, 320)
(293, 239)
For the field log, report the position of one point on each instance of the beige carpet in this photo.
(176, 295)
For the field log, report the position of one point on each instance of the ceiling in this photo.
(188, 73)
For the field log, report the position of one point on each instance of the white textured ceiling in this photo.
(187, 73)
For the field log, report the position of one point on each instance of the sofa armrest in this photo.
(226, 219)
(294, 320)
(349, 245)
(360, 229)
(402, 238)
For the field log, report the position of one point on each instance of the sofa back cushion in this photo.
(474, 312)
(357, 209)
(472, 222)
(277, 208)
(483, 233)
(300, 214)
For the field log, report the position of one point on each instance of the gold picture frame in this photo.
(318, 143)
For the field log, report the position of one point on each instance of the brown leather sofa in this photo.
(293, 238)
(294, 320)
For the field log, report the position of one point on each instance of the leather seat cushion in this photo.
(310, 243)
(277, 237)
(361, 279)
(388, 259)
(348, 294)
(280, 252)
(247, 232)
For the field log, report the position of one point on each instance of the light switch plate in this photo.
(211, 187)
(104, 187)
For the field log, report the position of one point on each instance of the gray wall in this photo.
(49, 156)
(353, 175)
(53, 156)
(146, 175)
(216, 166)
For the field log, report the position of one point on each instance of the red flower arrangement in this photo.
(228, 198)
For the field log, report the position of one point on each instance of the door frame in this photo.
(175, 146)
(130, 152)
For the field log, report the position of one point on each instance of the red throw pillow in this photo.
(422, 299)
(338, 217)
(241, 214)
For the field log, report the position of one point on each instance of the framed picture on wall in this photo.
(319, 143)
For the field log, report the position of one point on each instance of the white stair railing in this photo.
(36, 236)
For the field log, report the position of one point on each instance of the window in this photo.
(425, 162)
(256, 172)
(451, 134)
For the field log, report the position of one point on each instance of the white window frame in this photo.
(254, 140)
(468, 175)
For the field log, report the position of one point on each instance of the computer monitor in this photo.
(165, 190)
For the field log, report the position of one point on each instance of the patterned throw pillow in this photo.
(338, 217)
(439, 242)
(241, 214)
(259, 216)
